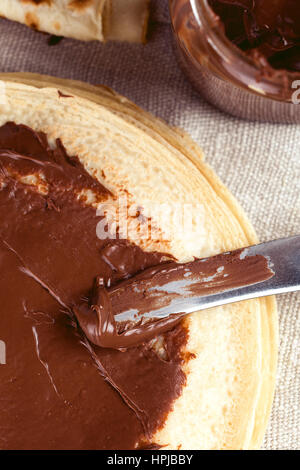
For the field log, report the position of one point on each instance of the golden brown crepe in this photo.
(231, 352)
(124, 20)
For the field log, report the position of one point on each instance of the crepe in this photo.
(231, 353)
(123, 20)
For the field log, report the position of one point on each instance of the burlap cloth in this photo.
(258, 162)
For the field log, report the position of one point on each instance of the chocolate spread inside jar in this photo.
(58, 390)
(266, 28)
(242, 55)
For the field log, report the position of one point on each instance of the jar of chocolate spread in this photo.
(242, 55)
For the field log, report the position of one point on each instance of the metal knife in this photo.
(152, 302)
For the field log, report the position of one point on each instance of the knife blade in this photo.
(152, 302)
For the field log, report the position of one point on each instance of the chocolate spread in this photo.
(58, 390)
(266, 29)
(151, 302)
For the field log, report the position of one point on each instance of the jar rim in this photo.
(246, 73)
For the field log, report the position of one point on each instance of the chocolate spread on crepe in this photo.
(266, 29)
(58, 389)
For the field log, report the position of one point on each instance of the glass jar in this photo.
(226, 76)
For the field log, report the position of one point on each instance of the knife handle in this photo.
(284, 259)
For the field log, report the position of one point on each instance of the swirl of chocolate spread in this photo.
(58, 390)
(267, 29)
